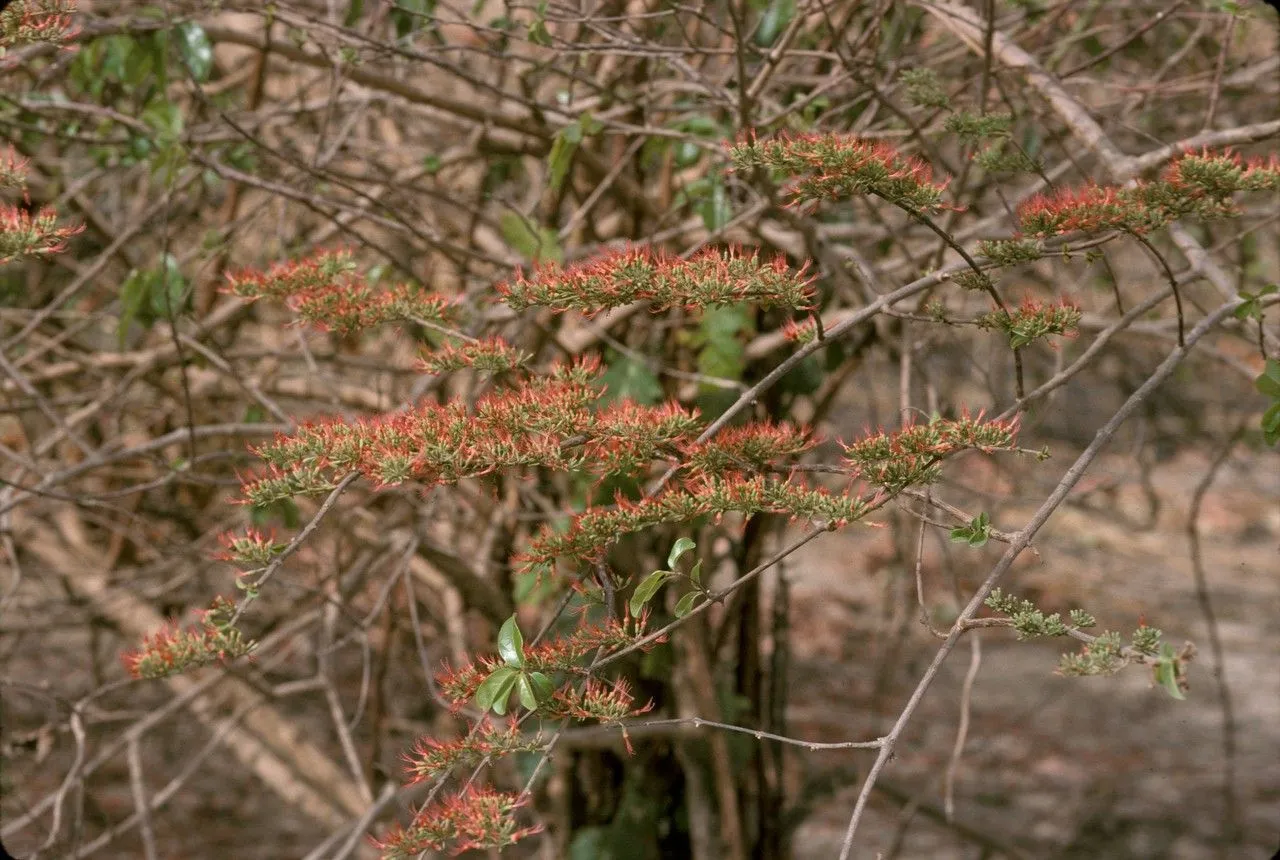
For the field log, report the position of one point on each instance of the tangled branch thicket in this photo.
(421, 420)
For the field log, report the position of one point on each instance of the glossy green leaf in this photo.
(488, 692)
(976, 533)
(685, 606)
(511, 643)
(678, 549)
(696, 574)
(528, 698)
(543, 689)
(503, 694)
(645, 591)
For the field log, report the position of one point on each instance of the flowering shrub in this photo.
(551, 419)
(576, 403)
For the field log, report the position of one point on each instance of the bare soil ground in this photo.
(1059, 767)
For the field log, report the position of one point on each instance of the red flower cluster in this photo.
(1034, 320)
(1091, 208)
(253, 548)
(711, 277)
(475, 818)
(36, 21)
(592, 531)
(804, 331)
(1223, 174)
(171, 651)
(431, 758)
(22, 235)
(626, 437)
(13, 172)
(492, 355)
(749, 448)
(546, 422)
(835, 166)
(325, 291)
(596, 700)
(913, 454)
(1193, 184)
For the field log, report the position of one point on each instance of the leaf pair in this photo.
(533, 688)
(649, 586)
(976, 533)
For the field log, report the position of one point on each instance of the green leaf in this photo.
(1252, 307)
(696, 574)
(1268, 383)
(687, 153)
(195, 49)
(723, 353)
(528, 698)
(679, 548)
(503, 693)
(511, 643)
(565, 145)
(1271, 424)
(685, 606)
(1167, 674)
(149, 295)
(775, 20)
(543, 689)
(487, 692)
(532, 241)
(716, 210)
(537, 32)
(133, 294)
(628, 378)
(976, 533)
(166, 288)
(645, 591)
(165, 118)
(410, 15)
(562, 150)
